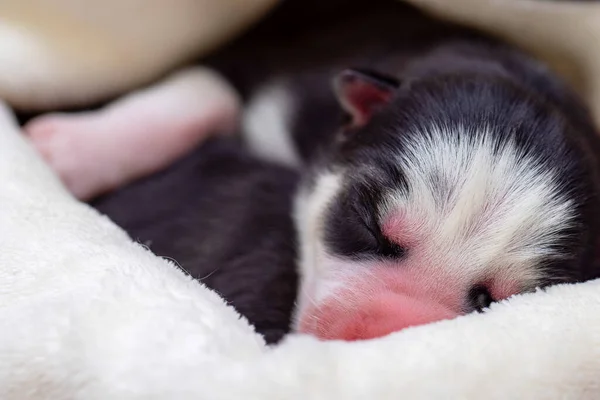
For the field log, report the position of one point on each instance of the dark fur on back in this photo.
(225, 217)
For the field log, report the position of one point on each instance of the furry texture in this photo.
(462, 180)
(88, 314)
(92, 315)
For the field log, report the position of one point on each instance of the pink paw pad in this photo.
(66, 143)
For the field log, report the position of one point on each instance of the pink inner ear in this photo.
(361, 97)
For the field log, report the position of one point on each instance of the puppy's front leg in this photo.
(141, 133)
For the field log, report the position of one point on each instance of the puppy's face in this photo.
(438, 199)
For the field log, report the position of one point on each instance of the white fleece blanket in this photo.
(86, 313)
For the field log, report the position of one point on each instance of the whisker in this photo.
(210, 274)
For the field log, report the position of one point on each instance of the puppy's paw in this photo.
(70, 145)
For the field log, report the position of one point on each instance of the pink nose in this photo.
(379, 316)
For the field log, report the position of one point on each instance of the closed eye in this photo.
(385, 247)
(388, 248)
(352, 230)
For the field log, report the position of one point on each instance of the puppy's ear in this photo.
(361, 93)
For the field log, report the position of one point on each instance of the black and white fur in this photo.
(486, 146)
(483, 144)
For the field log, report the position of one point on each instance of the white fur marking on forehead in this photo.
(485, 210)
